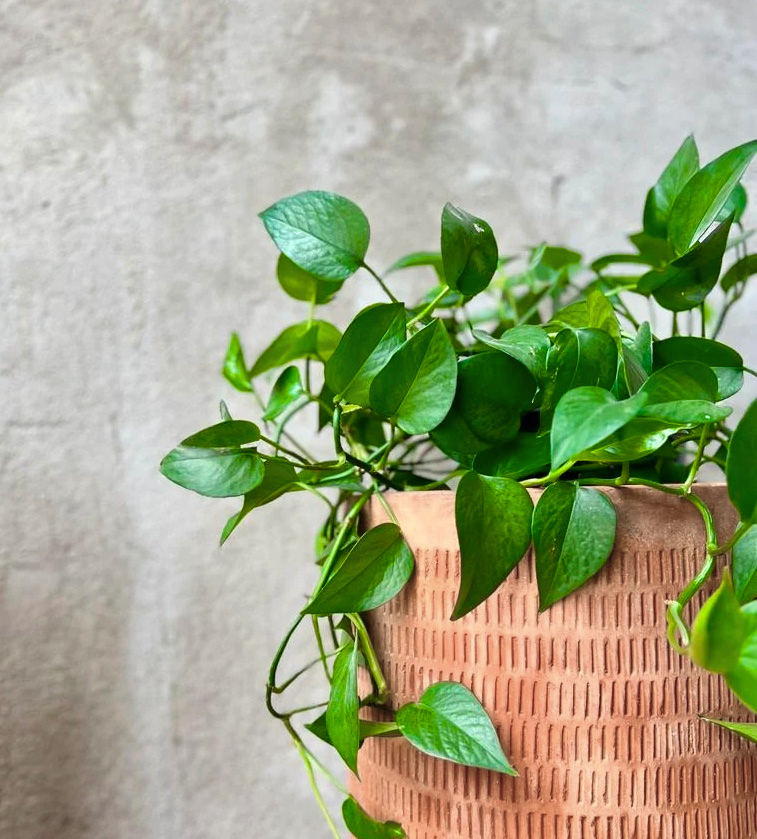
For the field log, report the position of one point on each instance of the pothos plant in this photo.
(510, 373)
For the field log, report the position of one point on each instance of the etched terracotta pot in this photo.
(592, 706)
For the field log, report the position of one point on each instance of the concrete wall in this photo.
(138, 139)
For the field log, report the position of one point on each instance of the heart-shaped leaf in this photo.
(745, 566)
(719, 631)
(224, 435)
(302, 285)
(493, 518)
(448, 722)
(371, 573)
(574, 532)
(741, 466)
(637, 439)
(234, 368)
(469, 251)
(417, 386)
(726, 363)
(342, 721)
(309, 339)
(661, 196)
(217, 473)
(362, 826)
(527, 344)
(286, 391)
(325, 234)
(523, 456)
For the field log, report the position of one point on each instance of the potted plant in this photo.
(532, 446)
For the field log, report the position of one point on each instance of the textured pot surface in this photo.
(592, 706)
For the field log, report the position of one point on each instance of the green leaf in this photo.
(637, 358)
(469, 251)
(741, 466)
(325, 234)
(279, 477)
(682, 393)
(745, 729)
(448, 722)
(602, 316)
(719, 631)
(417, 386)
(362, 826)
(574, 532)
(739, 272)
(367, 728)
(660, 198)
(619, 259)
(685, 283)
(586, 416)
(234, 368)
(736, 204)
(655, 251)
(342, 721)
(744, 566)
(493, 519)
(217, 473)
(420, 259)
(372, 572)
(286, 391)
(368, 343)
(302, 285)
(309, 339)
(527, 344)
(523, 456)
(224, 435)
(637, 439)
(726, 363)
(703, 197)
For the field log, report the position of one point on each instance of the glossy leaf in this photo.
(586, 416)
(309, 339)
(574, 532)
(419, 259)
(739, 272)
(368, 343)
(302, 285)
(725, 362)
(362, 826)
(417, 385)
(325, 234)
(741, 466)
(372, 572)
(522, 457)
(342, 721)
(744, 729)
(493, 519)
(703, 197)
(660, 198)
(367, 729)
(217, 473)
(637, 358)
(226, 434)
(286, 392)
(735, 205)
(448, 722)
(527, 344)
(234, 368)
(469, 251)
(744, 566)
(637, 439)
(682, 393)
(719, 631)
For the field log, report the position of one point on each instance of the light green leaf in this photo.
(342, 721)
(745, 729)
(741, 466)
(660, 198)
(637, 358)
(448, 722)
(302, 285)
(367, 728)
(224, 435)
(325, 234)
(574, 532)
(309, 339)
(719, 631)
(217, 473)
(287, 390)
(368, 343)
(527, 344)
(725, 362)
(469, 251)
(704, 195)
(417, 386)
(234, 368)
(739, 272)
(745, 566)
(362, 826)
(493, 518)
(586, 416)
(372, 572)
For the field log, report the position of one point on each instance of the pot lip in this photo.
(637, 488)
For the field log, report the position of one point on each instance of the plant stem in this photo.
(380, 281)
(279, 448)
(430, 308)
(321, 651)
(550, 478)
(697, 459)
(371, 659)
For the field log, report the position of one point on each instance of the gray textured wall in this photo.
(138, 139)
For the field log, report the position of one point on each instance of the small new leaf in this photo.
(362, 826)
(469, 251)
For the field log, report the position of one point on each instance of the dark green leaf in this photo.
(448, 722)
(368, 343)
(309, 339)
(685, 283)
(417, 385)
(660, 198)
(719, 631)
(342, 721)
(374, 571)
(637, 358)
(493, 518)
(218, 473)
(586, 416)
(527, 344)
(726, 363)
(702, 198)
(523, 456)
(741, 466)
(637, 439)
(362, 826)
(224, 435)
(234, 369)
(655, 251)
(469, 251)
(574, 531)
(286, 391)
(302, 285)
(736, 204)
(739, 272)
(745, 566)
(279, 477)
(681, 380)
(325, 234)
(745, 729)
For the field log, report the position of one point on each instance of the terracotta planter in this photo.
(592, 706)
